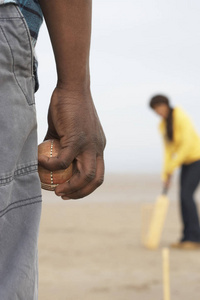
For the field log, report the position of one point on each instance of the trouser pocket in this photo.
(16, 55)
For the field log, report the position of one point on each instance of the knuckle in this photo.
(103, 141)
(78, 195)
(89, 176)
(100, 181)
(59, 190)
(64, 164)
(57, 194)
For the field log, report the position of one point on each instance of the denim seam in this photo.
(32, 198)
(27, 173)
(9, 18)
(20, 206)
(28, 166)
(26, 170)
(20, 172)
(28, 36)
(5, 181)
(13, 68)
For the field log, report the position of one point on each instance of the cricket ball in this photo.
(50, 179)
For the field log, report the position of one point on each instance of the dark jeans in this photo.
(189, 180)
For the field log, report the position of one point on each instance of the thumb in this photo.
(62, 161)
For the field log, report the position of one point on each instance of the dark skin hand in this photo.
(72, 117)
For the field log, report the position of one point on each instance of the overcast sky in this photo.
(138, 49)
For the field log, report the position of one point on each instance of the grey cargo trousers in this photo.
(20, 193)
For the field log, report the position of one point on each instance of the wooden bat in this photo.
(157, 220)
(166, 274)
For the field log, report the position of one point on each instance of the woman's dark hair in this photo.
(160, 99)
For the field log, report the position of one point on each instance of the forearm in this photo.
(72, 117)
(166, 160)
(69, 26)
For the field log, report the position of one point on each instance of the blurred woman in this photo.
(181, 149)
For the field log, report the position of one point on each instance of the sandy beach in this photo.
(91, 249)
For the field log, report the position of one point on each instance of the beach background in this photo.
(91, 248)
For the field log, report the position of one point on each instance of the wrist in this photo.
(72, 93)
(81, 85)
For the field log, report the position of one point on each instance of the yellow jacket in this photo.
(185, 147)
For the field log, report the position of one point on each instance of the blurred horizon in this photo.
(138, 49)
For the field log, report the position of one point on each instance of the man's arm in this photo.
(69, 26)
(72, 116)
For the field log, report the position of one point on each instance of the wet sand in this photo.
(91, 249)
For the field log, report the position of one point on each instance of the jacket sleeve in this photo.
(185, 145)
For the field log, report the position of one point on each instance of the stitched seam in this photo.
(20, 206)
(28, 32)
(5, 181)
(13, 62)
(29, 39)
(27, 173)
(9, 18)
(28, 166)
(19, 201)
(27, 170)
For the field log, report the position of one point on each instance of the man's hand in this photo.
(72, 118)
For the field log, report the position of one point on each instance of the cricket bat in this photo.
(157, 221)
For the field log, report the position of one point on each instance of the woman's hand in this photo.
(167, 182)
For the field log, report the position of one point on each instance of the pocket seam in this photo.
(28, 36)
(13, 65)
